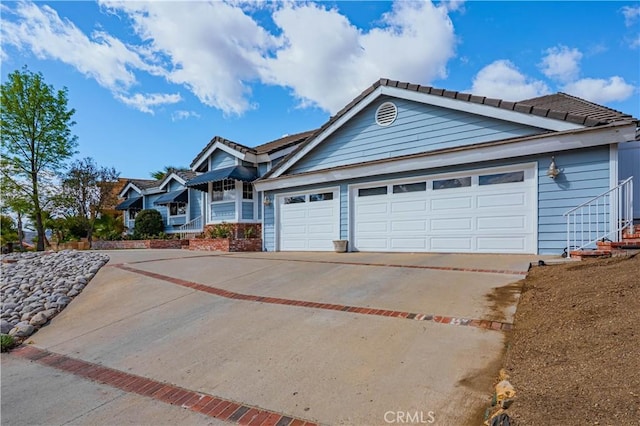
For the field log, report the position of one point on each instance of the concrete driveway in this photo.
(325, 338)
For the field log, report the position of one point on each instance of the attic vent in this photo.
(386, 114)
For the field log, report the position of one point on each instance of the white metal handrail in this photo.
(604, 216)
(192, 227)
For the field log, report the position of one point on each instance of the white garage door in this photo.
(309, 221)
(491, 211)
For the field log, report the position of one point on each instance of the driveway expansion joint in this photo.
(440, 319)
(209, 405)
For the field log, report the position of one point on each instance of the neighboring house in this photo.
(411, 168)
(177, 204)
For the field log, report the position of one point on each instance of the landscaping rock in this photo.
(36, 286)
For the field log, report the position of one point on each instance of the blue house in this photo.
(411, 168)
(176, 203)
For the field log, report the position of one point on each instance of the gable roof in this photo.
(577, 113)
(265, 148)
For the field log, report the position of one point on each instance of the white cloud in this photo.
(212, 48)
(144, 102)
(101, 57)
(183, 115)
(631, 14)
(502, 79)
(600, 90)
(217, 50)
(327, 61)
(561, 63)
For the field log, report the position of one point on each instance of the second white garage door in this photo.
(308, 221)
(490, 211)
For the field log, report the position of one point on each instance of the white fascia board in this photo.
(552, 143)
(327, 132)
(152, 191)
(481, 109)
(204, 157)
(128, 187)
(167, 179)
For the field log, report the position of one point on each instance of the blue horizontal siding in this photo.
(262, 169)
(223, 211)
(174, 185)
(247, 210)
(221, 159)
(585, 175)
(195, 203)
(268, 227)
(149, 204)
(418, 128)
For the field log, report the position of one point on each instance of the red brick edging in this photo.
(219, 408)
(485, 324)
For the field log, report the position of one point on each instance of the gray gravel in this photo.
(36, 286)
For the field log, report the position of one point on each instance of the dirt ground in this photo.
(574, 356)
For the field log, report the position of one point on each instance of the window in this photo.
(409, 187)
(325, 196)
(133, 213)
(501, 178)
(367, 192)
(247, 191)
(452, 183)
(294, 200)
(223, 190)
(177, 209)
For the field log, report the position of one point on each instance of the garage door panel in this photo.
(408, 244)
(373, 208)
(451, 244)
(506, 223)
(294, 229)
(408, 225)
(448, 203)
(501, 200)
(451, 224)
(508, 244)
(409, 206)
(320, 228)
(289, 213)
(318, 210)
(372, 244)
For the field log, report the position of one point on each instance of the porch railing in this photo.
(192, 227)
(603, 217)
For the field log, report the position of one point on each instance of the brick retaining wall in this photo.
(226, 244)
(139, 244)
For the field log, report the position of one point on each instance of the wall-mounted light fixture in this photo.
(553, 170)
(266, 201)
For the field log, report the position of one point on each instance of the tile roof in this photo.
(231, 144)
(145, 183)
(283, 142)
(571, 104)
(186, 174)
(579, 111)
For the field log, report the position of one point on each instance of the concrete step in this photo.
(589, 254)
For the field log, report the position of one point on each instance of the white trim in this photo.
(268, 158)
(613, 182)
(481, 109)
(170, 176)
(440, 101)
(530, 168)
(127, 187)
(205, 156)
(276, 213)
(457, 156)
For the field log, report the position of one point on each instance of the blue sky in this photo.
(153, 82)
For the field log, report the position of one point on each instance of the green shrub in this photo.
(221, 230)
(6, 342)
(250, 232)
(148, 223)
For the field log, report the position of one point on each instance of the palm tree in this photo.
(161, 174)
